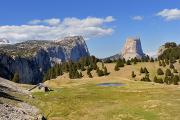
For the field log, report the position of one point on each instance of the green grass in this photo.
(137, 100)
(83, 100)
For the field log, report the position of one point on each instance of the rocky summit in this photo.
(31, 59)
(132, 49)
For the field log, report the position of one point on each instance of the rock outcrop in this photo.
(132, 49)
(31, 59)
(12, 107)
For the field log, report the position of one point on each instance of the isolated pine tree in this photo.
(160, 72)
(142, 70)
(116, 68)
(133, 75)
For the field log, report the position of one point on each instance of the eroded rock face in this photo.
(33, 58)
(132, 49)
(14, 108)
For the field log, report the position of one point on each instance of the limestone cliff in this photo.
(32, 58)
(132, 49)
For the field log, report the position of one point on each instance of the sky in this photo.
(105, 24)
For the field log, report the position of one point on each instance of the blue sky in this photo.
(115, 19)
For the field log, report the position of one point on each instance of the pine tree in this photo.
(53, 73)
(167, 80)
(95, 66)
(176, 80)
(142, 70)
(135, 60)
(105, 71)
(155, 79)
(145, 70)
(80, 75)
(89, 73)
(146, 78)
(151, 60)
(160, 72)
(167, 61)
(133, 75)
(102, 65)
(16, 78)
(100, 73)
(116, 68)
(158, 80)
(175, 71)
(171, 66)
(128, 62)
(168, 72)
(82, 67)
(160, 64)
(163, 63)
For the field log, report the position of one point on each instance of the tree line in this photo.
(75, 69)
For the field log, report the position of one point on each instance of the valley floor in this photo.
(84, 100)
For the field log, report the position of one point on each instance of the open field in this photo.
(83, 100)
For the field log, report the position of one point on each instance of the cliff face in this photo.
(132, 49)
(31, 59)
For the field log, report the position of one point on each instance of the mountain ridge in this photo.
(31, 59)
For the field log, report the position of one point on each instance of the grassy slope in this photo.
(83, 100)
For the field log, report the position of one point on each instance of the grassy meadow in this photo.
(82, 99)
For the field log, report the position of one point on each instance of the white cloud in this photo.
(34, 22)
(170, 14)
(52, 29)
(138, 18)
(52, 22)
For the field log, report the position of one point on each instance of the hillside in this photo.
(81, 99)
(12, 105)
(125, 72)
